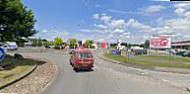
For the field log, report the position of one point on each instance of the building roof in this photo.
(181, 43)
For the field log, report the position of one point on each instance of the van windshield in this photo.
(84, 55)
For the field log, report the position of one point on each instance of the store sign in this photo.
(2, 54)
(160, 41)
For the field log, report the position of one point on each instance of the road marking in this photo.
(164, 80)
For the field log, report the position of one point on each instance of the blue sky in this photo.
(131, 21)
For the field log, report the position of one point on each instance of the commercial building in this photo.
(181, 45)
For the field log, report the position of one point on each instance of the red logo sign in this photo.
(160, 42)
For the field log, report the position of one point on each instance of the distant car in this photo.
(47, 47)
(11, 46)
(58, 47)
(186, 54)
(181, 53)
(81, 59)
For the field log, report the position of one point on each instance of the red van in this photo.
(81, 59)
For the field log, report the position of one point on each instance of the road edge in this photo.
(20, 78)
(52, 80)
(188, 89)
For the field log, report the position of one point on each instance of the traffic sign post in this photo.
(2, 54)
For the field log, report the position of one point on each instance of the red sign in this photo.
(160, 42)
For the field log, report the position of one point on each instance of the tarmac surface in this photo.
(110, 78)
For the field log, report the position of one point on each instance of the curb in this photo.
(52, 80)
(188, 89)
(20, 78)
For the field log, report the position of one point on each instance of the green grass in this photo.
(10, 75)
(123, 59)
(16, 68)
(168, 58)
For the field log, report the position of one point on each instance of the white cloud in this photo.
(117, 11)
(177, 27)
(100, 26)
(119, 27)
(95, 16)
(141, 27)
(179, 11)
(86, 30)
(105, 18)
(181, 8)
(118, 31)
(152, 9)
(187, 14)
(117, 23)
(179, 24)
(50, 34)
(44, 31)
(125, 35)
(110, 35)
(99, 6)
(101, 40)
(181, 5)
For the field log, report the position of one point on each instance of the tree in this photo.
(16, 21)
(58, 41)
(34, 42)
(72, 42)
(39, 42)
(147, 44)
(87, 44)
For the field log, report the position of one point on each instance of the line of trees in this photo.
(72, 43)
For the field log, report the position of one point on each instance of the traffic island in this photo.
(37, 82)
(14, 69)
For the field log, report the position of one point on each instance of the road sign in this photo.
(160, 41)
(114, 52)
(2, 54)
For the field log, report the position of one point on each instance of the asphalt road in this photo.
(106, 78)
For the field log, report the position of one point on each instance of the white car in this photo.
(11, 46)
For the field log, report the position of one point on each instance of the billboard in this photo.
(160, 41)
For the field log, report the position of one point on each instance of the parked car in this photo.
(47, 47)
(186, 54)
(139, 52)
(58, 47)
(81, 59)
(181, 53)
(11, 46)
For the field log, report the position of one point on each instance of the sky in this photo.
(131, 21)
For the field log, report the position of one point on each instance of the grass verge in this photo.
(123, 59)
(168, 58)
(14, 69)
